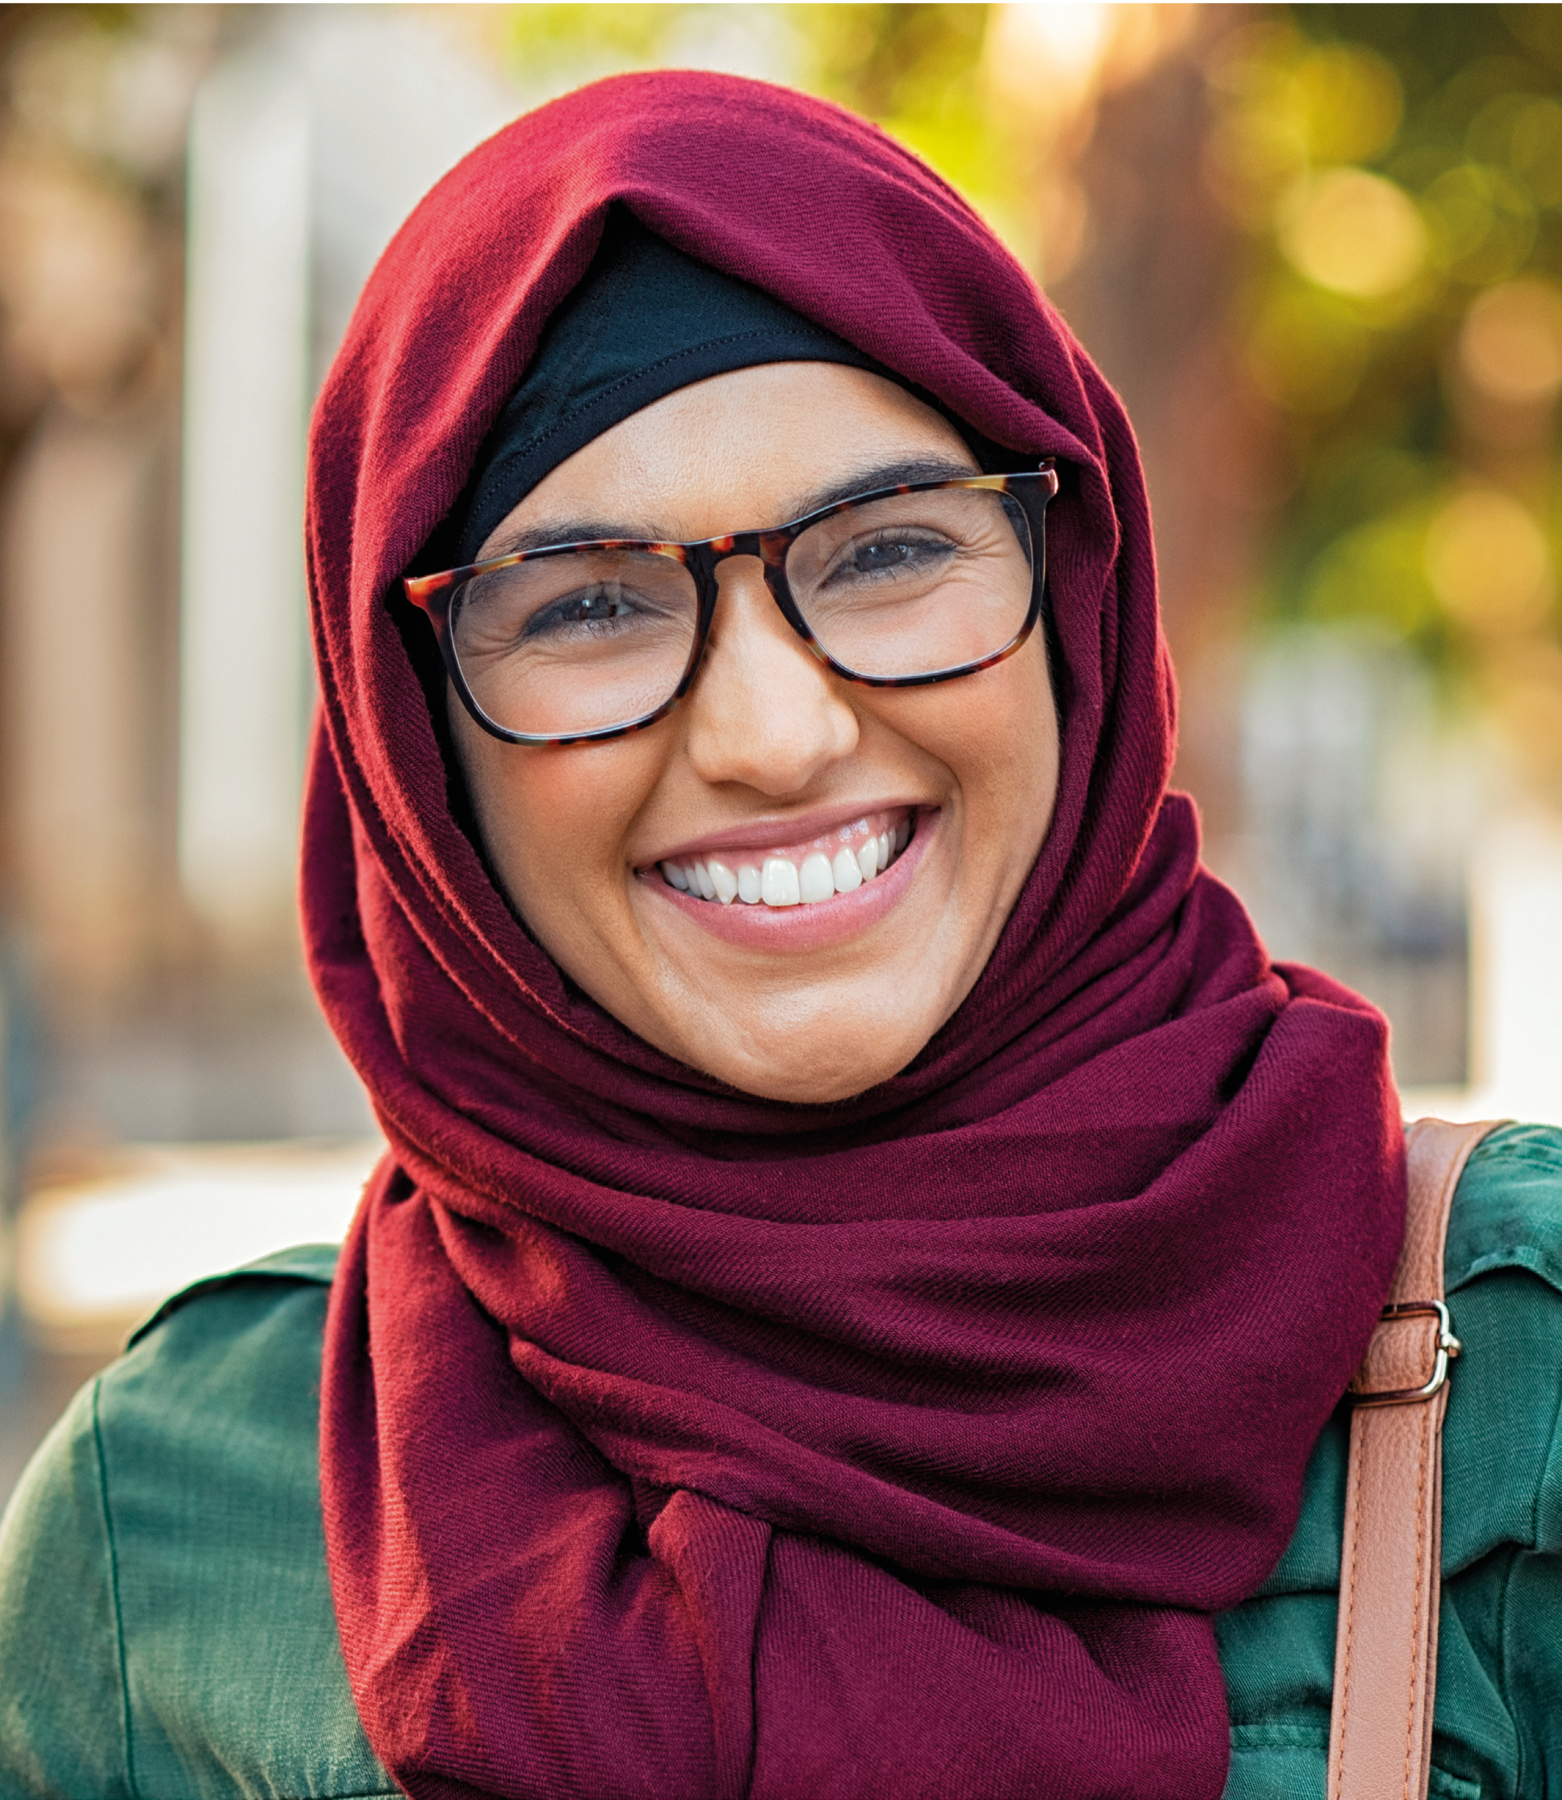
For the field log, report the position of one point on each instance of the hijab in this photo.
(645, 321)
(677, 1442)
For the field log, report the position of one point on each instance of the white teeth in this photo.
(781, 883)
(778, 883)
(816, 879)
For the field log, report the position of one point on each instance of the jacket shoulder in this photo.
(196, 1463)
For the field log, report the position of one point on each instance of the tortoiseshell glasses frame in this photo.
(440, 595)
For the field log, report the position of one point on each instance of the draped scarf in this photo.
(677, 1443)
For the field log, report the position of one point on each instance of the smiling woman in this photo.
(773, 775)
(870, 1249)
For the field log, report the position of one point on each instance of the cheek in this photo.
(1023, 730)
(999, 739)
(554, 822)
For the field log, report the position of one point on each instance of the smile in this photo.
(839, 862)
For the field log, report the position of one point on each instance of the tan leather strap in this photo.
(1385, 1652)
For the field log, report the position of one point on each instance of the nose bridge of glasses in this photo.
(757, 555)
(769, 546)
(744, 572)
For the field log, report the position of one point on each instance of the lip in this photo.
(792, 837)
(799, 928)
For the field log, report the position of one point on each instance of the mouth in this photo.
(795, 875)
(792, 910)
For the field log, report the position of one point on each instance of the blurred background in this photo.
(1318, 249)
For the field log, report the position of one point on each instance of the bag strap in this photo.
(1385, 1652)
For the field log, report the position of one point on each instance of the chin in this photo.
(804, 1079)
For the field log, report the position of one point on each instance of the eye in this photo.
(887, 554)
(604, 604)
(881, 555)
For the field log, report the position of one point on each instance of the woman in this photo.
(870, 1247)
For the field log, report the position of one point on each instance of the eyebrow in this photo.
(863, 481)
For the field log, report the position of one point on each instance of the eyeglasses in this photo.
(901, 587)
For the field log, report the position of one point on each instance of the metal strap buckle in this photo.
(1448, 1347)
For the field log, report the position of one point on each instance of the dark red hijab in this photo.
(678, 1443)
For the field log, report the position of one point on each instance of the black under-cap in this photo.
(645, 321)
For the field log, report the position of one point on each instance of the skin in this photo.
(768, 735)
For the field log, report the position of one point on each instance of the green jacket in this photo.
(166, 1628)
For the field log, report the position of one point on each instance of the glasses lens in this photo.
(915, 584)
(575, 641)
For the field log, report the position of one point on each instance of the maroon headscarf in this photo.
(678, 1443)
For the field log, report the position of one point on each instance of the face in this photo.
(771, 765)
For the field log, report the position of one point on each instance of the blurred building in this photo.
(157, 689)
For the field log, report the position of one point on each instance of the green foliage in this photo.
(625, 31)
(919, 72)
(1449, 121)
(917, 63)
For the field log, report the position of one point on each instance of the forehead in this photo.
(744, 450)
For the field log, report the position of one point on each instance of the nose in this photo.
(763, 710)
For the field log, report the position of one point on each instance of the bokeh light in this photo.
(1489, 562)
(1352, 232)
(1046, 52)
(1511, 342)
